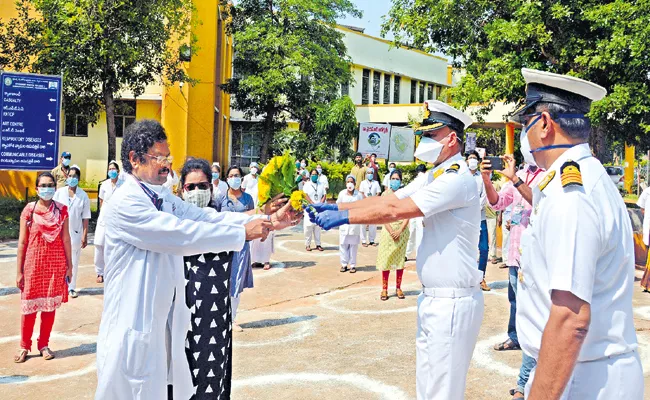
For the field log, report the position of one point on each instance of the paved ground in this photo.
(310, 332)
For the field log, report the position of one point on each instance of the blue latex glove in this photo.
(331, 219)
(320, 207)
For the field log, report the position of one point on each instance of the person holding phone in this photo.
(44, 265)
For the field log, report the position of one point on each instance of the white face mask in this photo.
(472, 163)
(524, 148)
(350, 186)
(198, 197)
(428, 150)
(254, 171)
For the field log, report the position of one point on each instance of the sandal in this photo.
(46, 353)
(353, 270)
(319, 248)
(400, 294)
(507, 345)
(100, 279)
(364, 244)
(344, 269)
(21, 357)
(308, 248)
(516, 394)
(267, 267)
(384, 295)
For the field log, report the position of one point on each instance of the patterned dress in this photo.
(45, 261)
(391, 253)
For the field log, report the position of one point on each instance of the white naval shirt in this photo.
(644, 202)
(452, 217)
(579, 240)
(78, 210)
(481, 192)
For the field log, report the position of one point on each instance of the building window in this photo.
(345, 89)
(430, 92)
(396, 87)
(421, 92)
(387, 88)
(438, 90)
(75, 125)
(246, 143)
(376, 83)
(414, 89)
(365, 86)
(124, 115)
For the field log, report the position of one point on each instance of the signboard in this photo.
(30, 108)
(470, 142)
(374, 138)
(402, 144)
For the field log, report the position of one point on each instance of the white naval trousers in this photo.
(616, 377)
(99, 260)
(348, 254)
(76, 254)
(415, 237)
(448, 324)
(312, 230)
(371, 234)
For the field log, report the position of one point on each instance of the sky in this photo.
(373, 10)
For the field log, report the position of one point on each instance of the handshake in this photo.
(327, 216)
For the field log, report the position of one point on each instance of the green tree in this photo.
(100, 47)
(289, 60)
(606, 42)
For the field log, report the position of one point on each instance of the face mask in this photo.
(350, 186)
(395, 184)
(200, 198)
(314, 178)
(46, 193)
(370, 176)
(428, 150)
(303, 165)
(112, 174)
(215, 176)
(390, 170)
(319, 170)
(297, 165)
(66, 162)
(72, 182)
(472, 163)
(254, 171)
(524, 147)
(234, 183)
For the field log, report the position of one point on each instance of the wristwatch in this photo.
(519, 182)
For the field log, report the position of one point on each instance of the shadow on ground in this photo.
(266, 323)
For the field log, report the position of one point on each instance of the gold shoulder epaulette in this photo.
(453, 168)
(549, 177)
(428, 128)
(570, 174)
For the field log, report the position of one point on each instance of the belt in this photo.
(450, 293)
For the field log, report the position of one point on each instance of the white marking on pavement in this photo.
(483, 357)
(314, 253)
(330, 304)
(362, 382)
(277, 267)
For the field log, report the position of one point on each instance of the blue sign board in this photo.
(30, 109)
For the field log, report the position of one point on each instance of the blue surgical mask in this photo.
(390, 170)
(319, 170)
(66, 162)
(303, 165)
(370, 176)
(72, 182)
(215, 176)
(314, 178)
(46, 193)
(112, 174)
(395, 184)
(234, 183)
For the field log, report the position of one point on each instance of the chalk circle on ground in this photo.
(281, 245)
(301, 328)
(484, 357)
(87, 345)
(277, 267)
(361, 382)
(346, 295)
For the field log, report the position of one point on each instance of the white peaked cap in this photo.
(444, 108)
(571, 84)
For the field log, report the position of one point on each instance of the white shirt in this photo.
(316, 193)
(481, 192)
(644, 202)
(78, 210)
(106, 191)
(579, 240)
(249, 185)
(322, 180)
(144, 289)
(370, 188)
(349, 230)
(386, 182)
(219, 189)
(448, 197)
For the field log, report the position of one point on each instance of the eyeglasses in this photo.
(201, 186)
(160, 159)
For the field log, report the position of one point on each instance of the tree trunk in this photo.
(109, 103)
(267, 134)
(598, 142)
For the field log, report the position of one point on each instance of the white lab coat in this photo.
(249, 185)
(141, 341)
(106, 190)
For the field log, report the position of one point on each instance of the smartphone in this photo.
(496, 163)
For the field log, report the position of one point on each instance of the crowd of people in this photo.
(563, 221)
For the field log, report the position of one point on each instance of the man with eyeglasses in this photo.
(62, 170)
(141, 341)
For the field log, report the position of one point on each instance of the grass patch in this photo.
(10, 210)
(631, 197)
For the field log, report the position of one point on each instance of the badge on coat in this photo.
(570, 174)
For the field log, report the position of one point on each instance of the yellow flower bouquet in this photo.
(279, 177)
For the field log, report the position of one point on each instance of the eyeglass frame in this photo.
(161, 159)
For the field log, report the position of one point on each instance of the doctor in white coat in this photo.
(141, 341)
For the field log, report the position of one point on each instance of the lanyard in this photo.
(528, 182)
(157, 202)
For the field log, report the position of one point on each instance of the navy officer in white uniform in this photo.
(574, 304)
(450, 309)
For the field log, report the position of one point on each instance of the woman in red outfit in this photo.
(44, 265)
